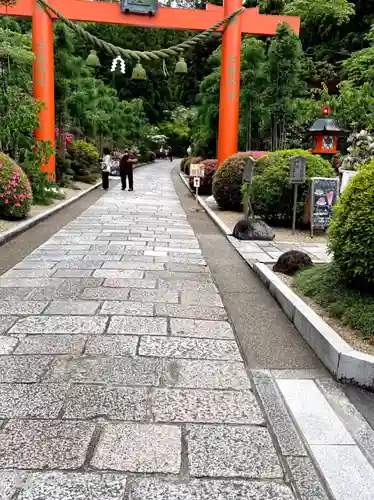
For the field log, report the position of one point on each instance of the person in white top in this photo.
(106, 168)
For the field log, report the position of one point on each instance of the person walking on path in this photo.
(170, 153)
(126, 166)
(106, 167)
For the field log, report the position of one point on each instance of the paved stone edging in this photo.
(344, 362)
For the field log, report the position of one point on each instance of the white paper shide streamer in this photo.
(121, 62)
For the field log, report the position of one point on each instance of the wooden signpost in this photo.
(197, 171)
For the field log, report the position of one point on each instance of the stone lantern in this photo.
(325, 134)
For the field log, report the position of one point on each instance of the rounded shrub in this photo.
(210, 167)
(271, 190)
(15, 190)
(85, 161)
(183, 162)
(351, 230)
(227, 182)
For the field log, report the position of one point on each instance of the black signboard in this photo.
(324, 194)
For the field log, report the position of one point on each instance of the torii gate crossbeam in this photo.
(249, 22)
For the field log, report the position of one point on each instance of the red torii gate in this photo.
(249, 22)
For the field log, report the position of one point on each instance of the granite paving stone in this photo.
(287, 436)
(139, 266)
(73, 307)
(106, 293)
(137, 325)
(41, 444)
(23, 307)
(52, 344)
(178, 276)
(79, 264)
(112, 345)
(226, 451)
(127, 308)
(307, 481)
(192, 298)
(183, 285)
(195, 489)
(201, 328)
(193, 312)
(18, 369)
(206, 406)
(26, 264)
(34, 325)
(190, 348)
(31, 400)
(10, 482)
(7, 344)
(74, 486)
(129, 283)
(139, 448)
(163, 296)
(205, 374)
(124, 370)
(10, 293)
(72, 273)
(28, 273)
(118, 273)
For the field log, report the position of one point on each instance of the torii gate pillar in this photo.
(43, 79)
(228, 129)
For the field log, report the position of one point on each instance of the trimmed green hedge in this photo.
(351, 231)
(271, 190)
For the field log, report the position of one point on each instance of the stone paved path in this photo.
(120, 376)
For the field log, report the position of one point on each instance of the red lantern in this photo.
(326, 110)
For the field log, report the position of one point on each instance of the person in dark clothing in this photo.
(105, 168)
(126, 166)
(170, 153)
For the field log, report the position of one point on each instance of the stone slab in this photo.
(18, 369)
(31, 400)
(118, 273)
(347, 472)
(124, 371)
(127, 308)
(130, 283)
(287, 436)
(73, 307)
(35, 325)
(137, 326)
(306, 479)
(192, 298)
(7, 344)
(105, 293)
(164, 489)
(136, 266)
(112, 345)
(189, 348)
(74, 486)
(139, 448)
(21, 308)
(178, 276)
(204, 406)
(9, 293)
(52, 344)
(79, 264)
(312, 413)
(92, 401)
(6, 323)
(201, 329)
(10, 482)
(226, 451)
(39, 444)
(180, 285)
(205, 374)
(193, 312)
(72, 273)
(166, 296)
(357, 367)
(28, 273)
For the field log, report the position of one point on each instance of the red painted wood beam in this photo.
(251, 21)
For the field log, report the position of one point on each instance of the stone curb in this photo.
(10, 234)
(340, 358)
(210, 212)
(344, 362)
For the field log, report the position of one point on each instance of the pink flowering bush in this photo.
(15, 190)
